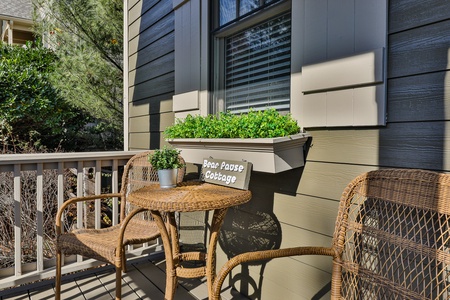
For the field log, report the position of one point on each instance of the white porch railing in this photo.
(83, 166)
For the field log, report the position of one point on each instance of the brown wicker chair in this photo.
(108, 244)
(391, 241)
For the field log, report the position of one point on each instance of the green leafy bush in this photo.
(32, 112)
(34, 115)
(256, 124)
(165, 158)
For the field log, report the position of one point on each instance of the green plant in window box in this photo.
(256, 124)
(271, 141)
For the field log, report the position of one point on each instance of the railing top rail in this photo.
(8, 159)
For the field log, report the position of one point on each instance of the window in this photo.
(252, 58)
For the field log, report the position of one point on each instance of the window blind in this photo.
(258, 67)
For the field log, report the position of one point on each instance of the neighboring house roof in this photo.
(16, 20)
(20, 9)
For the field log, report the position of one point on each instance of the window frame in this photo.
(219, 35)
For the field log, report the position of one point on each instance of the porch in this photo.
(39, 182)
(145, 279)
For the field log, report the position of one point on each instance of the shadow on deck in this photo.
(145, 279)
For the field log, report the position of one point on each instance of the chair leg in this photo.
(124, 262)
(58, 275)
(118, 283)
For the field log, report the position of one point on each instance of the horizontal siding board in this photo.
(139, 140)
(151, 123)
(152, 52)
(402, 145)
(306, 212)
(139, 124)
(138, 10)
(157, 86)
(420, 50)
(158, 104)
(419, 98)
(145, 141)
(132, 3)
(162, 65)
(297, 237)
(407, 14)
(134, 11)
(327, 180)
(149, 18)
(415, 145)
(353, 146)
(286, 278)
(161, 121)
(158, 30)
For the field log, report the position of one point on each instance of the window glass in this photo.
(227, 11)
(252, 59)
(247, 6)
(230, 10)
(258, 67)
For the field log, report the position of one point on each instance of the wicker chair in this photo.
(391, 241)
(108, 244)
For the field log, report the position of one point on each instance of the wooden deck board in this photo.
(142, 286)
(144, 280)
(92, 288)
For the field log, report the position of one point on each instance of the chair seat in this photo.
(101, 243)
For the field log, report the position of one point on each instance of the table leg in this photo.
(171, 277)
(216, 224)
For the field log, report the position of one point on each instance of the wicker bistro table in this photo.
(188, 197)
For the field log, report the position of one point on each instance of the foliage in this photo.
(87, 37)
(33, 115)
(256, 124)
(165, 158)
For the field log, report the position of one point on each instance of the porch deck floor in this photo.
(144, 280)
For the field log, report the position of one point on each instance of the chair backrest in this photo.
(138, 172)
(393, 230)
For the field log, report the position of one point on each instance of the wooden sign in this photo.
(225, 172)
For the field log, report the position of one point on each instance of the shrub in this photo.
(32, 112)
(256, 124)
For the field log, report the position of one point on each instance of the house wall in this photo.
(151, 60)
(299, 207)
(415, 136)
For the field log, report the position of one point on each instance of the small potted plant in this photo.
(167, 162)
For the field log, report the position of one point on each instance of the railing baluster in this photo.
(98, 191)
(115, 189)
(40, 217)
(60, 192)
(80, 205)
(17, 222)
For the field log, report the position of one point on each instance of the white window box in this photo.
(270, 155)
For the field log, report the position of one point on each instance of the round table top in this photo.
(188, 196)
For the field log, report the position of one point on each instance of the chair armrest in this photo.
(70, 201)
(264, 255)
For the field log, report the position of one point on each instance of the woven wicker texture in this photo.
(188, 197)
(391, 240)
(108, 244)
